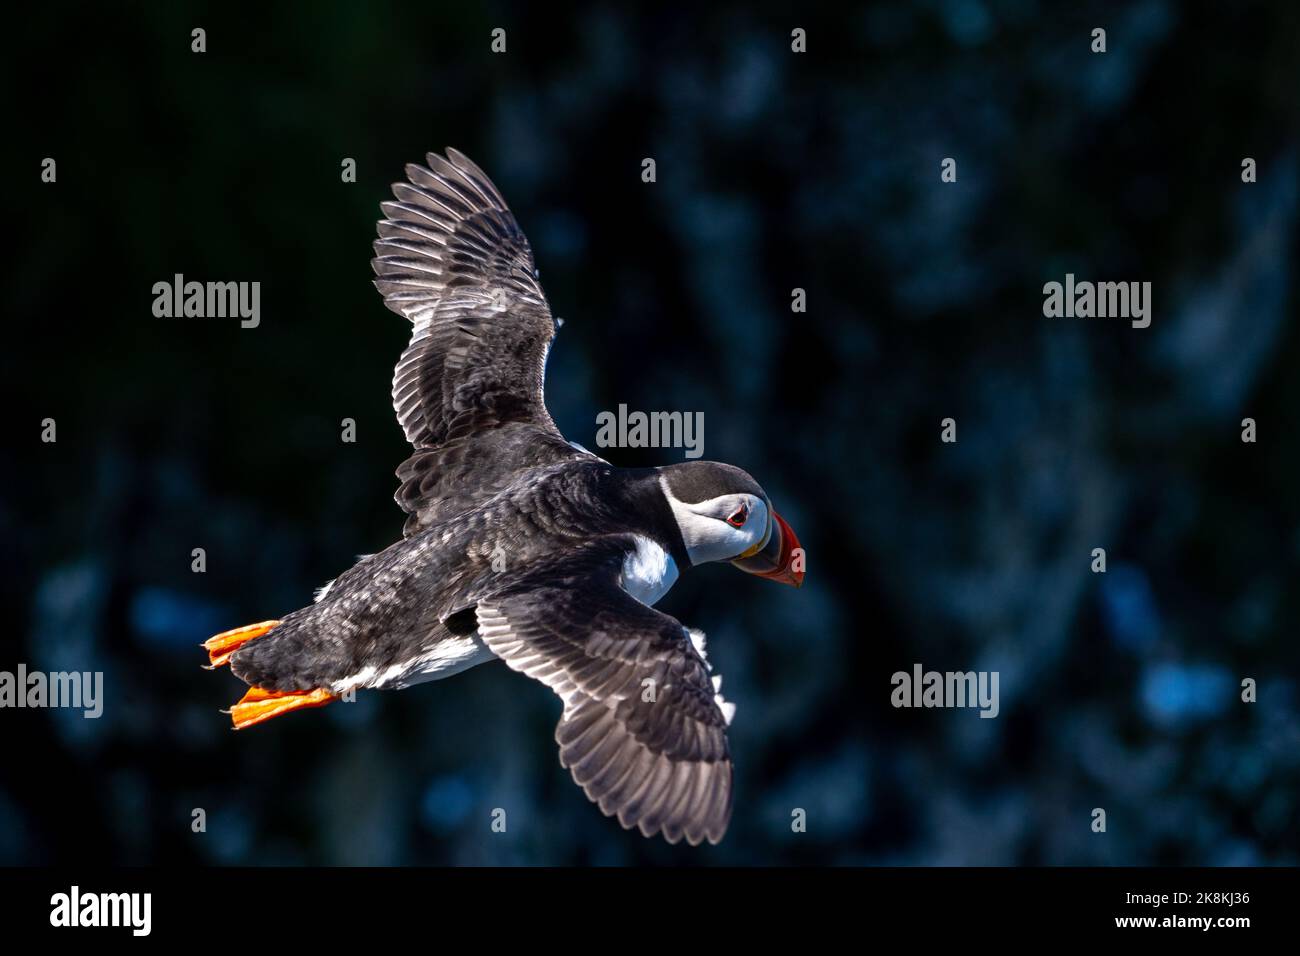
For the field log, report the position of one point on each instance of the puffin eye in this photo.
(739, 516)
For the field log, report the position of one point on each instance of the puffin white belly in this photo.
(648, 571)
(449, 656)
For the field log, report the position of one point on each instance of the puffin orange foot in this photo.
(259, 705)
(220, 648)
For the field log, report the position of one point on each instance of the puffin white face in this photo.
(723, 528)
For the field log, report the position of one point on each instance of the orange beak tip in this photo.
(792, 553)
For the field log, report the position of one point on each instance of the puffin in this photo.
(521, 546)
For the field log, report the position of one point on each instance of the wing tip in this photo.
(677, 823)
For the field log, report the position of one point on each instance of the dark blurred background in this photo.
(776, 170)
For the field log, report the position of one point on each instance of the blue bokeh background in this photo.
(775, 171)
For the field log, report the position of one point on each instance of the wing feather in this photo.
(642, 731)
(468, 390)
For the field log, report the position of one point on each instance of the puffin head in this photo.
(723, 515)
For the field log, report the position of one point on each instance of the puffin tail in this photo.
(259, 704)
(221, 646)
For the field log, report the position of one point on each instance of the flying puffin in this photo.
(520, 545)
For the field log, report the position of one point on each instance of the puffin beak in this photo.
(780, 559)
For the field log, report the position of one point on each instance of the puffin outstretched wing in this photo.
(468, 389)
(643, 730)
